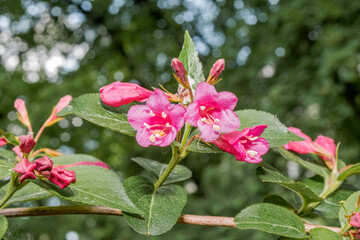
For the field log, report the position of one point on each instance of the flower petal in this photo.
(137, 115)
(176, 113)
(205, 93)
(208, 134)
(158, 101)
(192, 114)
(227, 100)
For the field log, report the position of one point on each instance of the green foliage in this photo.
(93, 186)
(162, 207)
(7, 155)
(90, 108)
(277, 200)
(350, 205)
(5, 168)
(3, 225)
(323, 233)
(156, 169)
(10, 138)
(350, 170)
(271, 218)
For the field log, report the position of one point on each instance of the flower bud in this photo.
(22, 113)
(355, 220)
(44, 164)
(25, 169)
(63, 102)
(27, 143)
(215, 71)
(180, 72)
(2, 141)
(118, 93)
(61, 177)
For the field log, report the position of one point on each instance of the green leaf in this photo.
(8, 155)
(272, 219)
(3, 225)
(348, 171)
(90, 108)
(269, 174)
(313, 218)
(179, 173)
(162, 207)
(10, 138)
(323, 233)
(73, 158)
(190, 58)
(29, 192)
(350, 206)
(320, 170)
(277, 200)
(277, 134)
(15, 230)
(93, 186)
(6, 168)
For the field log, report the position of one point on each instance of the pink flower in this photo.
(215, 71)
(323, 146)
(27, 143)
(44, 164)
(25, 169)
(180, 71)
(118, 93)
(61, 177)
(17, 151)
(158, 121)
(2, 141)
(98, 164)
(63, 102)
(245, 145)
(355, 220)
(212, 112)
(22, 112)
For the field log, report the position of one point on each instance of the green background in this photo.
(299, 60)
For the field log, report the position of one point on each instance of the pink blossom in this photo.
(61, 177)
(22, 112)
(245, 145)
(355, 220)
(2, 141)
(44, 164)
(322, 146)
(17, 151)
(27, 143)
(212, 112)
(98, 164)
(180, 71)
(158, 121)
(63, 102)
(118, 93)
(215, 71)
(25, 169)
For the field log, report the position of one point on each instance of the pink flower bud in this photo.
(215, 71)
(27, 143)
(25, 169)
(355, 220)
(180, 72)
(118, 93)
(17, 151)
(63, 102)
(61, 177)
(2, 141)
(22, 112)
(44, 164)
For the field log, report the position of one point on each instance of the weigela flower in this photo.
(25, 169)
(212, 112)
(158, 121)
(322, 146)
(22, 112)
(215, 71)
(2, 141)
(245, 145)
(180, 71)
(17, 151)
(63, 102)
(44, 164)
(355, 220)
(61, 177)
(118, 93)
(27, 143)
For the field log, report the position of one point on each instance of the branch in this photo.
(184, 218)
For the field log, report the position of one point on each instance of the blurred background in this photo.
(299, 60)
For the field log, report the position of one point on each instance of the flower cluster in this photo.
(159, 122)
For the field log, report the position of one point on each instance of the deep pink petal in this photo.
(302, 147)
(227, 100)
(205, 93)
(27, 143)
(229, 121)
(260, 145)
(169, 138)
(257, 130)
(2, 141)
(208, 134)
(355, 220)
(299, 133)
(217, 68)
(63, 102)
(158, 101)
(326, 143)
(17, 151)
(138, 115)
(143, 137)
(177, 116)
(256, 158)
(192, 114)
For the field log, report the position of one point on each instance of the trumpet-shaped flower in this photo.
(212, 112)
(158, 121)
(22, 112)
(63, 102)
(25, 169)
(118, 93)
(322, 146)
(245, 145)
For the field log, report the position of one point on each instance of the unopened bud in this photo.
(25, 169)
(2, 141)
(215, 71)
(61, 177)
(180, 72)
(27, 143)
(22, 112)
(44, 164)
